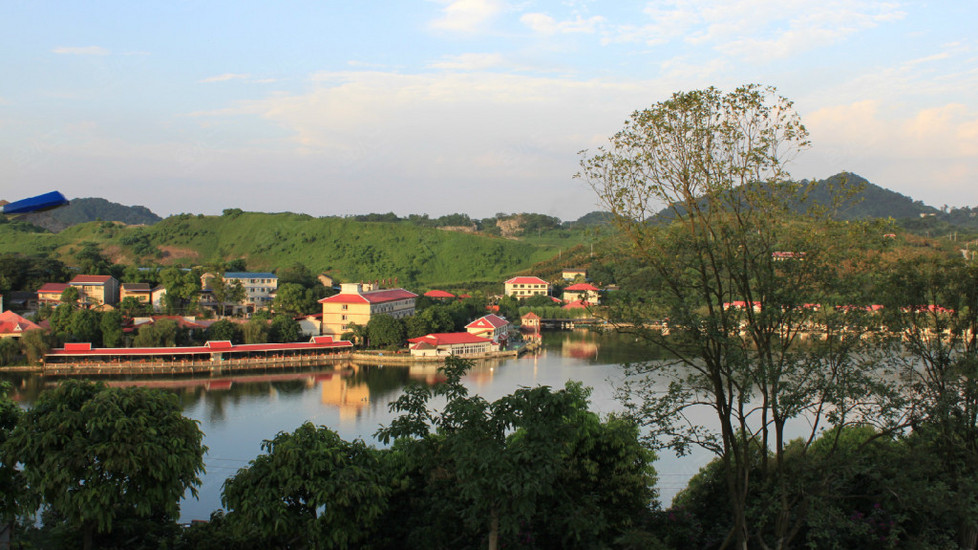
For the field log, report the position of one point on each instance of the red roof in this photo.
(439, 294)
(90, 279)
(370, 297)
(53, 288)
(209, 347)
(448, 338)
(11, 323)
(582, 286)
(488, 321)
(464, 296)
(530, 315)
(526, 281)
(577, 304)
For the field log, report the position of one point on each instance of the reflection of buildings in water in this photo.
(579, 349)
(351, 400)
(481, 373)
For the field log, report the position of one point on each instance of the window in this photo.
(343, 318)
(344, 307)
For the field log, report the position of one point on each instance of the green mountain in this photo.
(89, 210)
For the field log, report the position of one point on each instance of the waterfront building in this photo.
(490, 326)
(355, 304)
(450, 343)
(14, 326)
(524, 287)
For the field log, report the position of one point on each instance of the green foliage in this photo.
(12, 487)
(9, 351)
(160, 333)
(255, 331)
(98, 456)
(284, 329)
(295, 299)
(224, 330)
(36, 344)
(384, 331)
(85, 326)
(310, 488)
(111, 328)
(19, 272)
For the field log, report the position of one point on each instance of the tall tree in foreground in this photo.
(100, 456)
(736, 269)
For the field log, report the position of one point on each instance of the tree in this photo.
(182, 289)
(9, 350)
(36, 344)
(130, 306)
(534, 463)
(385, 331)
(160, 333)
(111, 328)
(98, 455)
(309, 488)
(12, 488)
(284, 329)
(294, 299)
(715, 163)
(70, 296)
(255, 331)
(224, 330)
(85, 326)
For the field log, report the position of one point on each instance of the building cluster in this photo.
(354, 304)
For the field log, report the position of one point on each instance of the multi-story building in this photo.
(96, 290)
(259, 287)
(582, 292)
(355, 305)
(50, 293)
(139, 291)
(490, 326)
(524, 287)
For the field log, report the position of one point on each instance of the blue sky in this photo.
(474, 106)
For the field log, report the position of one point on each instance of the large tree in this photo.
(98, 455)
(734, 263)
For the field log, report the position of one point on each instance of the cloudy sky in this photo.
(475, 106)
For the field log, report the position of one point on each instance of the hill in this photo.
(86, 210)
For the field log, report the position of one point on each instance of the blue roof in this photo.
(39, 203)
(249, 275)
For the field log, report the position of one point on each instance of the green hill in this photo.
(350, 249)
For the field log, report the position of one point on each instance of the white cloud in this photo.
(224, 78)
(544, 24)
(469, 62)
(86, 50)
(467, 15)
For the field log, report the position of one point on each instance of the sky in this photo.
(443, 106)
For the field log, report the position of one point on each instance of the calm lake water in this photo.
(237, 413)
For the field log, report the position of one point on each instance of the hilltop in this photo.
(86, 210)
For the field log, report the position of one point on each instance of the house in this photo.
(355, 305)
(581, 292)
(439, 294)
(156, 297)
(450, 343)
(524, 287)
(310, 325)
(14, 326)
(572, 274)
(139, 291)
(96, 290)
(326, 280)
(50, 293)
(490, 326)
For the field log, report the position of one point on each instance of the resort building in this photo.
(450, 343)
(524, 287)
(581, 292)
(96, 290)
(490, 326)
(50, 293)
(355, 305)
(139, 291)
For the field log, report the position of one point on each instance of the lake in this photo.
(236, 413)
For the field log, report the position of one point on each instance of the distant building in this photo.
(139, 291)
(355, 305)
(582, 292)
(96, 290)
(439, 294)
(260, 287)
(530, 321)
(524, 287)
(50, 293)
(571, 274)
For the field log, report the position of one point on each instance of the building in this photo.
(530, 321)
(524, 287)
(439, 295)
(139, 291)
(490, 326)
(50, 293)
(572, 274)
(96, 290)
(14, 326)
(355, 305)
(581, 292)
(259, 287)
(450, 343)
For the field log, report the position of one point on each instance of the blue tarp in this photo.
(39, 203)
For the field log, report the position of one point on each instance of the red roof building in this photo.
(582, 292)
(490, 326)
(354, 305)
(50, 293)
(439, 294)
(450, 343)
(14, 326)
(524, 287)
